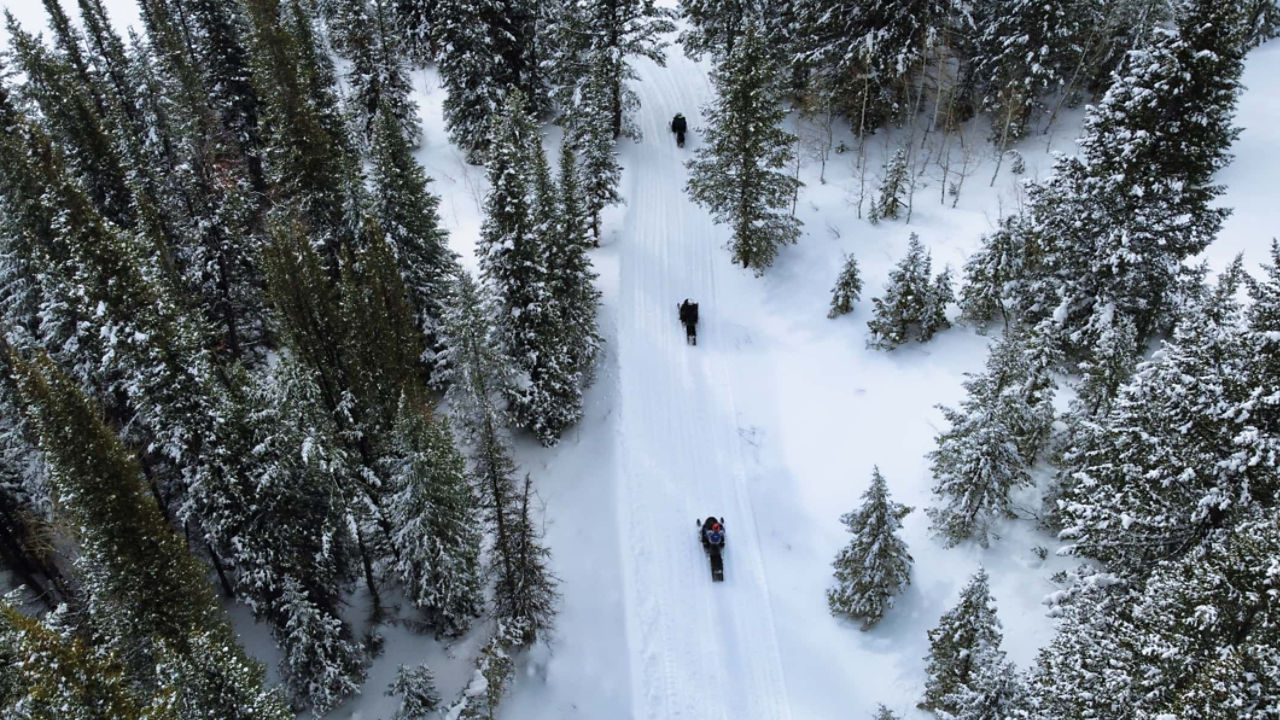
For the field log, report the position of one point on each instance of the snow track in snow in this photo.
(698, 649)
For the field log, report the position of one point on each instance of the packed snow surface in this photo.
(773, 422)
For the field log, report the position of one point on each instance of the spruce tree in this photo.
(848, 289)
(1139, 487)
(738, 175)
(884, 713)
(377, 76)
(408, 213)
(417, 690)
(963, 647)
(600, 171)
(986, 272)
(573, 279)
(894, 188)
(875, 566)
(144, 592)
(911, 305)
(1107, 234)
(435, 515)
(716, 27)
(486, 52)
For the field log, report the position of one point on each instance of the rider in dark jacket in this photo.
(679, 127)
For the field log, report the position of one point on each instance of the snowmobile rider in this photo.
(679, 127)
(712, 533)
(688, 312)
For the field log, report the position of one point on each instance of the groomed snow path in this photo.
(697, 648)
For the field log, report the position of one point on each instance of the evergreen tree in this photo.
(417, 690)
(434, 513)
(493, 673)
(875, 566)
(486, 53)
(848, 289)
(144, 593)
(884, 713)
(910, 302)
(894, 188)
(716, 26)
(1019, 54)
(593, 42)
(319, 659)
(738, 174)
(50, 672)
(600, 171)
(933, 318)
(572, 276)
(378, 78)
(1108, 232)
(986, 272)
(1139, 486)
(477, 375)
(408, 213)
(999, 430)
(963, 648)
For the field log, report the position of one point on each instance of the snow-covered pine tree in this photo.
(1137, 487)
(716, 26)
(933, 318)
(967, 632)
(477, 373)
(1107, 234)
(1088, 668)
(1110, 364)
(982, 297)
(431, 505)
(586, 39)
(1019, 54)
(525, 596)
(416, 687)
(378, 78)
(312, 641)
(739, 174)
(572, 276)
(308, 155)
(894, 187)
(994, 436)
(911, 305)
(486, 52)
(994, 690)
(408, 213)
(122, 537)
(848, 289)
(53, 672)
(884, 713)
(600, 171)
(1264, 313)
(875, 566)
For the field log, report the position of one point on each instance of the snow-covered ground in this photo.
(773, 421)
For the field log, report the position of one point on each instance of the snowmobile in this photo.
(712, 534)
(689, 318)
(679, 126)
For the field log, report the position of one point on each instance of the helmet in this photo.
(715, 527)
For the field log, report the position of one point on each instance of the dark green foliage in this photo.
(875, 566)
(144, 592)
(894, 188)
(1107, 234)
(738, 174)
(982, 298)
(995, 436)
(963, 648)
(431, 504)
(379, 81)
(1186, 447)
(417, 690)
(407, 212)
(911, 306)
(486, 52)
(848, 289)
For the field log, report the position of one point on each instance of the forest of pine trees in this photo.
(240, 363)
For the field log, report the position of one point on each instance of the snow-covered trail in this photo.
(697, 649)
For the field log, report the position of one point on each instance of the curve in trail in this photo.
(698, 649)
